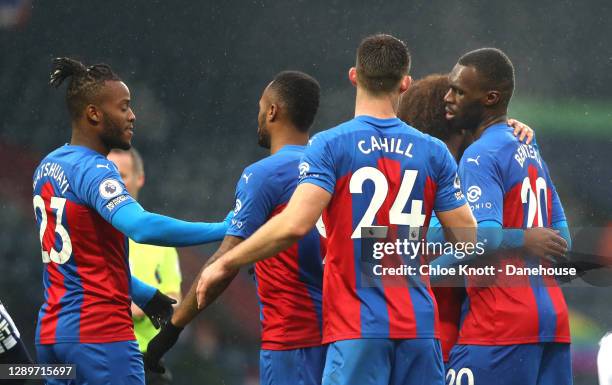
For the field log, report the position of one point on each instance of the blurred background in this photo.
(196, 71)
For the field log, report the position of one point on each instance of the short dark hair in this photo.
(495, 68)
(422, 106)
(382, 61)
(300, 93)
(85, 83)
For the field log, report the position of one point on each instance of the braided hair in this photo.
(85, 82)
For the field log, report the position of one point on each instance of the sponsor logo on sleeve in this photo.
(473, 193)
(110, 188)
(115, 202)
(237, 206)
(304, 168)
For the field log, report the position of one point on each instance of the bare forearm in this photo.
(188, 308)
(269, 240)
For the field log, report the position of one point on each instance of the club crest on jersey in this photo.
(110, 188)
(473, 193)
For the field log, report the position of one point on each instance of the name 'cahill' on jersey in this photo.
(86, 274)
(380, 172)
(508, 182)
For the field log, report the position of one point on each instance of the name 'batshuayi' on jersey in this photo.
(86, 273)
(508, 182)
(289, 284)
(380, 172)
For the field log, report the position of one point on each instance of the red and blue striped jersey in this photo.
(86, 275)
(508, 182)
(288, 284)
(380, 172)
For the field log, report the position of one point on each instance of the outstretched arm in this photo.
(280, 232)
(155, 229)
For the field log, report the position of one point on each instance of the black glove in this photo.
(159, 309)
(159, 345)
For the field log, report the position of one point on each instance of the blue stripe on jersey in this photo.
(547, 319)
(311, 271)
(261, 315)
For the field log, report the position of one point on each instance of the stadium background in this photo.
(196, 72)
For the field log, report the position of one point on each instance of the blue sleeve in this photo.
(101, 187)
(558, 214)
(141, 292)
(482, 183)
(317, 164)
(448, 192)
(435, 232)
(254, 201)
(154, 229)
(489, 234)
(563, 228)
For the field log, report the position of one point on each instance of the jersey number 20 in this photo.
(53, 255)
(415, 218)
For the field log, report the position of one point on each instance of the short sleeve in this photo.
(170, 272)
(317, 164)
(482, 183)
(448, 193)
(254, 202)
(101, 187)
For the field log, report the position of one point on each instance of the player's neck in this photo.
(290, 137)
(382, 107)
(488, 122)
(79, 138)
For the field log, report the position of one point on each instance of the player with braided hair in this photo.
(85, 215)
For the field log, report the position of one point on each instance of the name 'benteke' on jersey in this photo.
(380, 172)
(511, 185)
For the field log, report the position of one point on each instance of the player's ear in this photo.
(140, 181)
(492, 98)
(405, 83)
(93, 114)
(352, 75)
(272, 112)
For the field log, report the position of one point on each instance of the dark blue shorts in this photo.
(525, 364)
(116, 363)
(292, 367)
(378, 361)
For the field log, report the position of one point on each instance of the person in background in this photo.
(157, 266)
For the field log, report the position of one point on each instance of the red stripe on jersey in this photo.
(506, 312)
(289, 317)
(449, 300)
(341, 305)
(99, 252)
(397, 295)
(429, 198)
(55, 292)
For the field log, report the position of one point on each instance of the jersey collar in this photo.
(289, 147)
(378, 122)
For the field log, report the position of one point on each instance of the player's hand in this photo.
(159, 309)
(521, 130)
(212, 277)
(159, 345)
(545, 243)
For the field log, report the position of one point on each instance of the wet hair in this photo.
(422, 106)
(494, 68)
(85, 82)
(382, 61)
(299, 93)
(137, 163)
